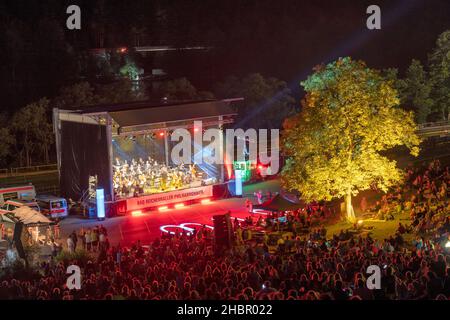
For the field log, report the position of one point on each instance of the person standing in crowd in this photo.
(70, 245)
(54, 247)
(118, 254)
(103, 230)
(82, 236)
(259, 196)
(57, 231)
(101, 241)
(106, 244)
(239, 238)
(88, 240)
(249, 206)
(74, 237)
(94, 239)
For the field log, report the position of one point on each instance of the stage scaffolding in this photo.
(84, 136)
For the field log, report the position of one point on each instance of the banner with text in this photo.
(165, 198)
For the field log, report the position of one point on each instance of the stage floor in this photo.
(129, 229)
(146, 227)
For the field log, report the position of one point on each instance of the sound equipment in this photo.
(223, 232)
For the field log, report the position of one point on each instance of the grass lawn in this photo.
(380, 229)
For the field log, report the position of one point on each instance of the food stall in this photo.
(38, 229)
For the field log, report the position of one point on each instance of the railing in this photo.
(431, 129)
(27, 170)
(51, 189)
(429, 125)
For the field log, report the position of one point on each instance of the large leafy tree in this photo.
(77, 95)
(181, 89)
(84, 94)
(415, 90)
(439, 64)
(121, 91)
(334, 144)
(6, 141)
(32, 130)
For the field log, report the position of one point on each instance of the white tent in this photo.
(29, 216)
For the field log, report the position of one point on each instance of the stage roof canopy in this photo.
(150, 112)
(136, 117)
(139, 117)
(172, 113)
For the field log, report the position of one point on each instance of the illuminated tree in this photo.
(333, 146)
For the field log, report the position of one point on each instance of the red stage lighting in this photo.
(161, 134)
(163, 208)
(136, 213)
(179, 205)
(205, 201)
(196, 129)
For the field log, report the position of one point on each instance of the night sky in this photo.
(284, 39)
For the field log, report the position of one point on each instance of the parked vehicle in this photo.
(54, 207)
(26, 193)
(11, 205)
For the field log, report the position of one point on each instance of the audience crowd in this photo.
(186, 267)
(301, 267)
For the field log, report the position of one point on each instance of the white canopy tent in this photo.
(29, 216)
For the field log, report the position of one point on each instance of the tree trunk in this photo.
(47, 157)
(349, 207)
(27, 157)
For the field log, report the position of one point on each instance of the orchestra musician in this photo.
(143, 177)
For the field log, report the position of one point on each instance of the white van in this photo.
(25, 193)
(11, 205)
(52, 206)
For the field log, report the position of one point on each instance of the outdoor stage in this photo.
(126, 151)
(147, 226)
(166, 200)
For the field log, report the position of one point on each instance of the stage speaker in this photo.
(223, 231)
(18, 227)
